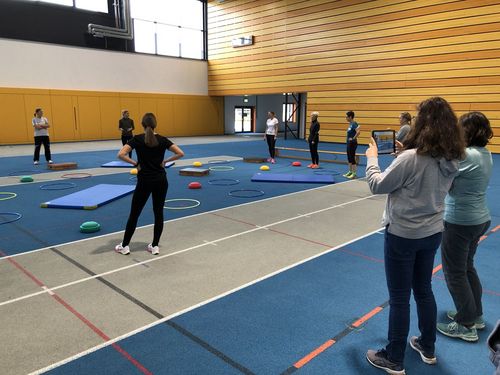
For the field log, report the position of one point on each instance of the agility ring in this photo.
(221, 168)
(133, 178)
(224, 182)
(326, 172)
(26, 171)
(218, 161)
(58, 186)
(11, 196)
(76, 175)
(195, 203)
(18, 216)
(241, 193)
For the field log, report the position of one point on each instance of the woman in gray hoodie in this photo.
(416, 182)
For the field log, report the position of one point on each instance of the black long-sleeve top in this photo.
(314, 132)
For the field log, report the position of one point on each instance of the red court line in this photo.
(72, 310)
(366, 317)
(437, 269)
(496, 228)
(314, 354)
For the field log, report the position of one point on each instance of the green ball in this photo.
(26, 179)
(90, 227)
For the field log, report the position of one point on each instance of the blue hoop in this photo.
(221, 168)
(65, 186)
(259, 193)
(26, 171)
(220, 182)
(10, 213)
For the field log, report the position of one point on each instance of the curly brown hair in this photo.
(477, 129)
(436, 132)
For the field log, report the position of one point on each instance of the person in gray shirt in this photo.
(41, 126)
(405, 123)
(416, 182)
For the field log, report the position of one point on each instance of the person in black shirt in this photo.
(313, 140)
(126, 125)
(151, 179)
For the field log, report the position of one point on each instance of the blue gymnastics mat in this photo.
(91, 198)
(296, 178)
(124, 164)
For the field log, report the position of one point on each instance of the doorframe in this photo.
(253, 114)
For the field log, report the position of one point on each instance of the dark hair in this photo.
(436, 132)
(149, 123)
(36, 111)
(406, 116)
(477, 129)
(350, 114)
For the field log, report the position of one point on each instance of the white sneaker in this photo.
(35, 162)
(50, 162)
(155, 250)
(122, 250)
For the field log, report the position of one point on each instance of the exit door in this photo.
(243, 119)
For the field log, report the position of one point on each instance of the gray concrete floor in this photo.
(202, 257)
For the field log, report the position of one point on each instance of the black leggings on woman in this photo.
(313, 148)
(271, 142)
(158, 189)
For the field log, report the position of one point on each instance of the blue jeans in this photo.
(408, 265)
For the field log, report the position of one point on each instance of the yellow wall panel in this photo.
(89, 118)
(64, 121)
(16, 123)
(110, 110)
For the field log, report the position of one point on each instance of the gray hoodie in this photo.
(417, 186)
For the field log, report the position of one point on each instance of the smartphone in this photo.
(386, 141)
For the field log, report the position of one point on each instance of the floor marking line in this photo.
(172, 220)
(78, 315)
(160, 257)
(367, 316)
(314, 353)
(205, 302)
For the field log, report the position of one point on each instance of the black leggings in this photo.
(39, 140)
(158, 189)
(351, 151)
(313, 147)
(271, 142)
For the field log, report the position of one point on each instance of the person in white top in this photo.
(41, 126)
(271, 134)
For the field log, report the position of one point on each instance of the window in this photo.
(93, 5)
(289, 112)
(176, 28)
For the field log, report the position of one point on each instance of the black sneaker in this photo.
(379, 360)
(430, 359)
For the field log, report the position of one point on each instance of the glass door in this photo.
(243, 119)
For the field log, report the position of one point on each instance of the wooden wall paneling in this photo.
(165, 117)
(89, 118)
(63, 121)
(16, 119)
(110, 112)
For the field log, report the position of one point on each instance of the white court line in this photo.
(188, 309)
(171, 220)
(157, 258)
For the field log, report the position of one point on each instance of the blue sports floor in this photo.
(303, 320)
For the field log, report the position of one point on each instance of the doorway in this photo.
(244, 119)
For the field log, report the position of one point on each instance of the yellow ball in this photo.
(197, 164)
(264, 168)
(133, 171)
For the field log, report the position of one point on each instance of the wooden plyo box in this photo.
(254, 160)
(194, 172)
(62, 166)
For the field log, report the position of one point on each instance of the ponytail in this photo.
(149, 123)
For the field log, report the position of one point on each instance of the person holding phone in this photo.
(41, 126)
(126, 126)
(352, 144)
(416, 182)
(313, 141)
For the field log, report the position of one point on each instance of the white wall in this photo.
(39, 65)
